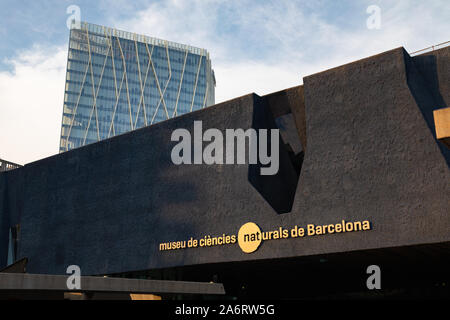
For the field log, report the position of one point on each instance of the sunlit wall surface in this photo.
(119, 81)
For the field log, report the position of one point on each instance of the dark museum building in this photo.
(363, 179)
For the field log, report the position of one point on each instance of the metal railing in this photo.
(100, 30)
(431, 49)
(6, 165)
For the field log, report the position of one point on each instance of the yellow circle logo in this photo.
(249, 237)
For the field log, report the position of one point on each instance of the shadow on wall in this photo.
(285, 111)
(423, 82)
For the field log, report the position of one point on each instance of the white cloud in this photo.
(245, 77)
(31, 100)
(273, 45)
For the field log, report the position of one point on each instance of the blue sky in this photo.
(256, 46)
(26, 22)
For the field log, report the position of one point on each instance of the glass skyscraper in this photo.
(118, 81)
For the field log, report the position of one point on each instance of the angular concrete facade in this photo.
(369, 152)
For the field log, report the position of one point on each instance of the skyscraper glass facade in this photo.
(118, 81)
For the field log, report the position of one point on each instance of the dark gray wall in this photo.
(4, 221)
(12, 186)
(370, 155)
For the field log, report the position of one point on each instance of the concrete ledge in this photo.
(40, 282)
